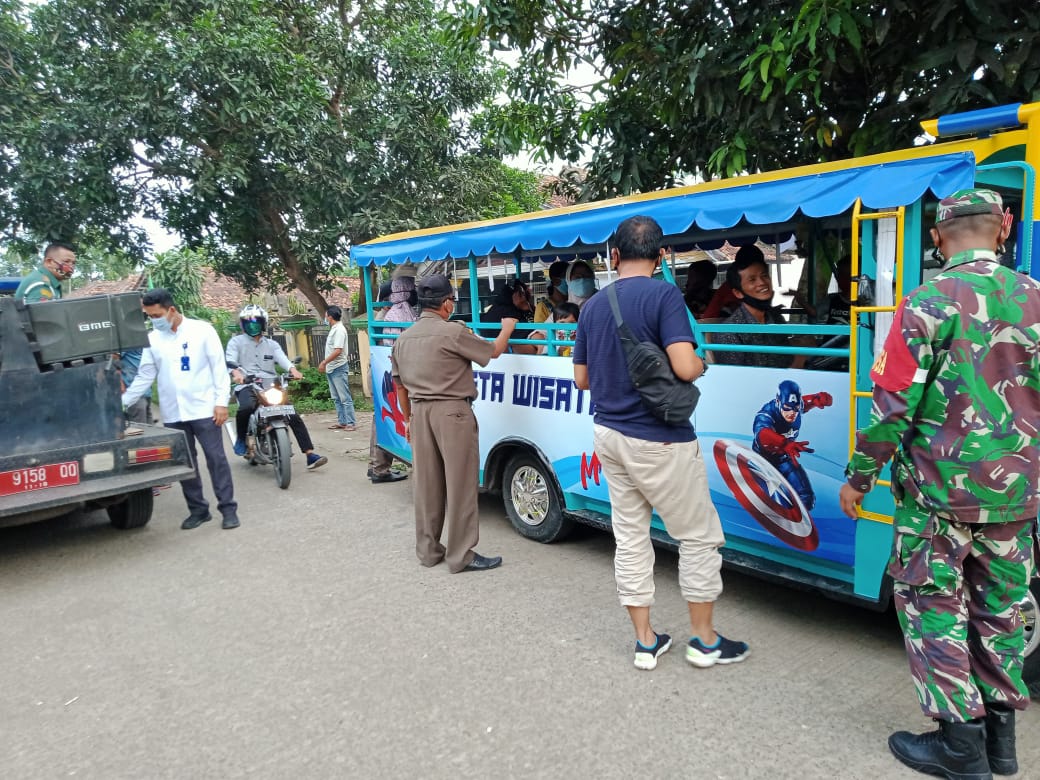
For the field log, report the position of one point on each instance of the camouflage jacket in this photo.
(957, 395)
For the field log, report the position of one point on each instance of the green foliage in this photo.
(180, 271)
(275, 134)
(311, 394)
(717, 87)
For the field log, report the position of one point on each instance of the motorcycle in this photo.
(267, 437)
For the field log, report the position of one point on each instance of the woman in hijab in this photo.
(403, 297)
(581, 283)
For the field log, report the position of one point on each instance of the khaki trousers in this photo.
(671, 478)
(445, 468)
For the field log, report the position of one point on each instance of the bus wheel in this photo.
(1031, 670)
(532, 500)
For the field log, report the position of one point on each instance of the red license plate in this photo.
(39, 478)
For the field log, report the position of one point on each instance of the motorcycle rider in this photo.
(258, 355)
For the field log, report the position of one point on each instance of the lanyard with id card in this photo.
(185, 358)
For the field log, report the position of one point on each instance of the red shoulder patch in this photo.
(895, 367)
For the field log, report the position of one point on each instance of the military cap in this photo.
(433, 289)
(965, 203)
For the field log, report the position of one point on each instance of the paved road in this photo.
(310, 644)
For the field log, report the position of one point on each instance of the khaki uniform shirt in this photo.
(434, 359)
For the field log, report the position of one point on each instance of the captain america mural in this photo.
(776, 429)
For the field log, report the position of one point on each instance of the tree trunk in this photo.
(280, 244)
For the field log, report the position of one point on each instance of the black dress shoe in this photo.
(390, 476)
(194, 521)
(482, 563)
(230, 521)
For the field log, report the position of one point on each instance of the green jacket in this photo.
(957, 395)
(40, 285)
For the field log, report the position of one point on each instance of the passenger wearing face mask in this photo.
(557, 292)
(44, 284)
(752, 285)
(581, 283)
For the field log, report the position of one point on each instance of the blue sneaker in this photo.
(724, 651)
(646, 657)
(314, 461)
(240, 447)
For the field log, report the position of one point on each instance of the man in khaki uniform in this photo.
(433, 370)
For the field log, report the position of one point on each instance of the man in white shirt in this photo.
(335, 367)
(185, 357)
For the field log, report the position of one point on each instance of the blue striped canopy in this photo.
(704, 206)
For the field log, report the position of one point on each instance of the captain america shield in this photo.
(766, 495)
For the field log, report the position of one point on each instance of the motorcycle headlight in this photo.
(273, 395)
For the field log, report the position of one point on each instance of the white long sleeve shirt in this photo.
(190, 368)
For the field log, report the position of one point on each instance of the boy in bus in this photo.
(957, 408)
(752, 285)
(565, 313)
(650, 464)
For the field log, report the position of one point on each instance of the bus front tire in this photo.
(532, 500)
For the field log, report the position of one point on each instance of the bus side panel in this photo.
(787, 507)
(387, 419)
(536, 400)
(873, 548)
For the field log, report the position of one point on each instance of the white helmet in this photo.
(252, 319)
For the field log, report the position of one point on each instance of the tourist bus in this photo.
(536, 442)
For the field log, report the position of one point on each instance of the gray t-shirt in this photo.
(337, 338)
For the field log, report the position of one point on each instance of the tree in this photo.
(717, 87)
(274, 133)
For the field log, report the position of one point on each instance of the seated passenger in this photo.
(514, 302)
(722, 304)
(557, 291)
(565, 313)
(404, 299)
(749, 278)
(700, 286)
(581, 283)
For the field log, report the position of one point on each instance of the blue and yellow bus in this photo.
(536, 425)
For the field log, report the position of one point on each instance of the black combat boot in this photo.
(957, 751)
(1000, 739)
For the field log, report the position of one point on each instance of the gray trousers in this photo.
(140, 411)
(379, 460)
(211, 437)
(445, 467)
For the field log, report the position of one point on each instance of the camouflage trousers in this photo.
(957, 589)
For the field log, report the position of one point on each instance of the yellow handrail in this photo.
(858, 217)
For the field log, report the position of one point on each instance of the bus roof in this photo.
(763, 199)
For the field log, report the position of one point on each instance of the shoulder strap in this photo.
(612, 295)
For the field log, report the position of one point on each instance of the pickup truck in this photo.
(66, 446)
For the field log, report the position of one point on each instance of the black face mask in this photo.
(762, 304)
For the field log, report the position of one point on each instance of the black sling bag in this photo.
(664, 395)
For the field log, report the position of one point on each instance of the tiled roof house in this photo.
(220, 292)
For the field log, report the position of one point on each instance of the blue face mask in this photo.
(583, 288)
(560, 286)
(161, 325)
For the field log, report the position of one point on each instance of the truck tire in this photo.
(280, 453)
(532, 500)
(1031, 669)
(132, 512)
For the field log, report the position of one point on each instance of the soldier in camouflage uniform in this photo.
(957, 405)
